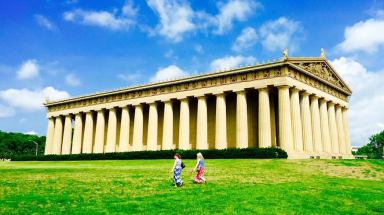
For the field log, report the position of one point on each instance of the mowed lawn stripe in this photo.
(238, 186)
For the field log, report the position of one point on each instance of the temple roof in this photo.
(317, 67)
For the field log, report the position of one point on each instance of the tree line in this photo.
(19, 143)
(374, 149)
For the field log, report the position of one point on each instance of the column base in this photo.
(317, 155)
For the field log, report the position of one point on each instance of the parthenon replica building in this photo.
(299, 104)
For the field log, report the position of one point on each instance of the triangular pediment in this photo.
(322, 69)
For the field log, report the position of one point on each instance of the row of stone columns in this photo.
(306, 125)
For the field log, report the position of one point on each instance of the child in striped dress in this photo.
(199, 168)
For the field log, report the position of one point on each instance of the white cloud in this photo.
(6, 111)
(281, 33)
(198, 48)
(234, 10)
(366, 104)
(228, 62)
(245, 40)
(29, 69)
(176, 18)
(72, 80)
(31, 133)
(105, 19)
(45, 22)
(131, 77)
(31, 100)
(366, 36)
(169, 72)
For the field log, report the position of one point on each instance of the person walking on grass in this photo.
(177, 168)
(199, 168)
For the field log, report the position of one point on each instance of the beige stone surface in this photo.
(77, 134)
(124, 130)
(50, 135)
(67, 136)
(298, 104)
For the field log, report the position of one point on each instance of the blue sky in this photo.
(75, 47)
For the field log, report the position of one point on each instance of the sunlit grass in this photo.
(234, 187)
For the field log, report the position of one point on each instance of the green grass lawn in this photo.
(234, 187)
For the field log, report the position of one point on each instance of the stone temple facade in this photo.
(299, 104)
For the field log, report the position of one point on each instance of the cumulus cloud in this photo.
(31, 132)
(72, 80)
(366, 104)
(169, 72)
(131, 77)
(231, 62)
(366, 36)
(105, 19)
(234, 10)
(31, 100)
(29, 69)
(281, 33)
(6, 111)
(177, 17)
(247, 38)
(45, 22)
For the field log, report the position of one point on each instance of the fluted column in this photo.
(88, 133)
(77, 134)
(340, 129)
(152, 127)
(306, 121)
(221, 122)
(137, 143)
(325, 137)
(168, 126)
(67, 136)
(184, 125)
(296, 120)
(58, 136)
(50, 135)
(241, 120)
(346, 132)
(264, 119)
(202, 123)
(285, 123)
(333, 128)
(112, 131)
(100, 132)
(124, 130)
(316, 127)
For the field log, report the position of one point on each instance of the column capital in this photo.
(283, 86)
(99, 110)
(219, 94)
(124, 107)
(295, 89)
(313, 96)
(201, 97)
(240, 91)
(263, 89)
(323, 100)
(305, 93)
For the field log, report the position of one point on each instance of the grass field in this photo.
(234, 187)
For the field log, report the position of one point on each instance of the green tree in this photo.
(18, 143)
(374, 149)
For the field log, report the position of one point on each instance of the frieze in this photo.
(322, 70)
(215, 81)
